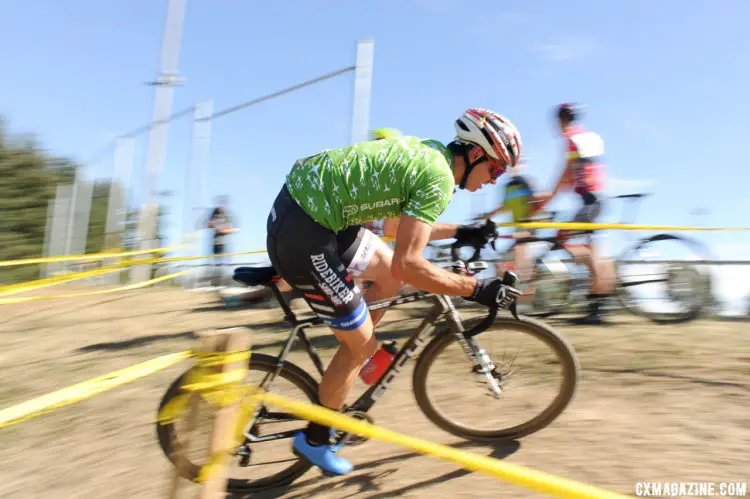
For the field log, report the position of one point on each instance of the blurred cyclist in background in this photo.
(583, 173)
(518, 200)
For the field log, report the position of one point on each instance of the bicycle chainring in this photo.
(350, 439)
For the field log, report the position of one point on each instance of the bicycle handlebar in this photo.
(509, 291)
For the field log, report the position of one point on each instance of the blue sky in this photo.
(665, 83)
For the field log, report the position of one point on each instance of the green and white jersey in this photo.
(372, 180)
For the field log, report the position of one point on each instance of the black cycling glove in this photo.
(476, 235)
(492, 292)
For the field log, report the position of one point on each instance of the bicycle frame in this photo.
(443, 311)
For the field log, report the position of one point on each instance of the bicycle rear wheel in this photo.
(174, 441)
(665, 293)
(446, 349)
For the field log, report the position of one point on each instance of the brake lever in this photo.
(509, 280)
(513, 309)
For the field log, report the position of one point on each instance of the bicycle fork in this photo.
(478, 355)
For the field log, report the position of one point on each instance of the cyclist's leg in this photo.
(604, 284)
(218, 261)
(601, 269)
(307, 256)
(369, 259)
(582, 252)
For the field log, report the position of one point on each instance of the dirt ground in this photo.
(654, 403)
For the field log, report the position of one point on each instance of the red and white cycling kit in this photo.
(586, 149)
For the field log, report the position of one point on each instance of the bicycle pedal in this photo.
(244, 453)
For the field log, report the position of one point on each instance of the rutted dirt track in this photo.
(655, 403)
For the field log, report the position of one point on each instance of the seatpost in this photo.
(288, 313)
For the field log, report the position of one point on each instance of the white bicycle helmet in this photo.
(495, 134)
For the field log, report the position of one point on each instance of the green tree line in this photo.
(29, 176)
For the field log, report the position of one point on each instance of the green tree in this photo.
(28, 181)
(29, 177)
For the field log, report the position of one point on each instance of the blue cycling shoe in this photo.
(322, 456)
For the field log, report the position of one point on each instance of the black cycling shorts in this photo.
(320, 263)
(591, 209)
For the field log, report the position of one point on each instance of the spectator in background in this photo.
(221, 222)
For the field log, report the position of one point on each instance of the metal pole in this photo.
(117, 201)
(195, 179)
(45, 268)
(71, 213)
(164, 84)
(199, 155)
(205, 159)
(118, 189)
(362, 90)
(58, 229)
(82, 209)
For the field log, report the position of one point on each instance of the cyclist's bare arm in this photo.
(410, 266)
(565, 181)
(437, 232)
(390, 227)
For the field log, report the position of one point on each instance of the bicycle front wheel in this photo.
(457, 398)
(269, 461)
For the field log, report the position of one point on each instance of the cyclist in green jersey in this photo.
(316, 241)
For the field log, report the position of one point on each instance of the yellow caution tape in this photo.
(81, 258)
(597, 226)
(13, 289)
(67, 396)
(219, 389)
(515, 474)
(95, 256)
(23, 299)
(213, 359)
(188, 258)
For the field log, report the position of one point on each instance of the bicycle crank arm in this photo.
(274, 436)
(638, 283)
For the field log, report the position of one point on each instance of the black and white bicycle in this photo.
(487, 378)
